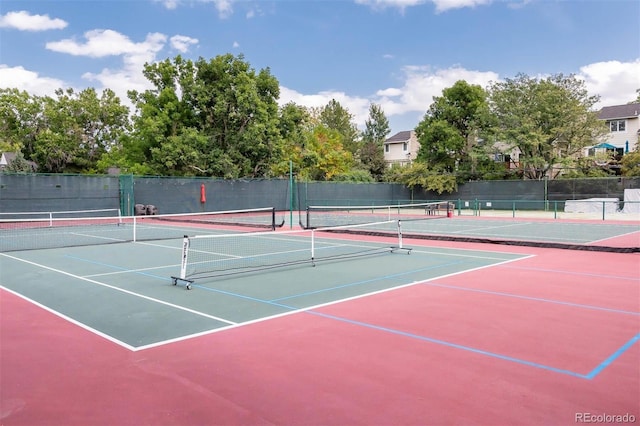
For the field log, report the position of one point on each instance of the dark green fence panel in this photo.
(39, 192)
(46, 193)
(127, 198)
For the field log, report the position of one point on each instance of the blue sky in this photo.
(395, 53)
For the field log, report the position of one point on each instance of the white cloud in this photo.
(24, 21)
(182, 43)
(169, 4)
(236, 44)
(29, 81)
(224, 7)
(444, 5)
(421, 84)
(616, 82)
(358, 106)
(101, 43)
(441, 5)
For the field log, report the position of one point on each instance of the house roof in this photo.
(399, 137)
(9, 156)
(619, 111)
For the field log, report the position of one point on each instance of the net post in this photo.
(399, 234)
(313, 245)
(135, 228)
(185, 257)
(273, 219)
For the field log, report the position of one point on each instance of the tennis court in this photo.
(387, 328)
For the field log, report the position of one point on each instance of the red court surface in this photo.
(541, 341)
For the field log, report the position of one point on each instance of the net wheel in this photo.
(188, 286)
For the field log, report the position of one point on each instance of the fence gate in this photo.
(127, 201)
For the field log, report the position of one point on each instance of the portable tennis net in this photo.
(331, 216)
(209, 256)
(48, 232)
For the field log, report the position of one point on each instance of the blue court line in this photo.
(604, 364)
(452, 345)
(588, 376)
(385, 277)
(242, 296)
(536, 299)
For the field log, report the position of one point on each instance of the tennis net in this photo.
(208, 256)
(50, 216)
(30, 234)
(331, 216)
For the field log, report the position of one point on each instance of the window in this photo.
(405, 147)
(386, 148)
(617, 126)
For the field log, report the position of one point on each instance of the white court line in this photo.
(71, 320)
(234, 324)
(321, 305)
(131, 293)
(615, 236)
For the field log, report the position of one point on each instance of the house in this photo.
(7, 157)
(401, 148)
(623, 123)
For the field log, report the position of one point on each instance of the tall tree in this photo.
(294, 125)
(78, 128)
(322, 156)
(21, 119)
(452, 128)
(375, 133)
(550, 120)
(334, 116)
(214, 118)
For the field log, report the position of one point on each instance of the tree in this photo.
(213, 118)
(294, 122)
(373, 137)
(334, 116)
(20, 120)
(321, 155)
(452, 128)
(419, 174)
(80, 128)
(549, 120)
(631, 163)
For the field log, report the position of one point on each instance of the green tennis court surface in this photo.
(124, 291)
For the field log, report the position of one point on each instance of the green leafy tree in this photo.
(294, 123)
(375, 133)
(452, 128)
(321, 156)
(19, 164)
(631, 163)
(217, 117)
(78, 128)
(419, 174)
(334, 116)
(549, 120)
(20, 120)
